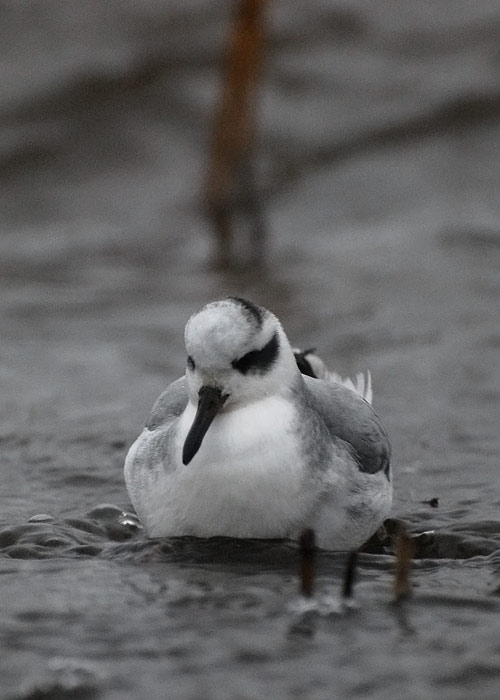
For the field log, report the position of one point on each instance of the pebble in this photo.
(41, 518)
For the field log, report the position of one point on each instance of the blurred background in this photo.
(371, 169)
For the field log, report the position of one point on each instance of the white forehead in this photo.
(224, 331)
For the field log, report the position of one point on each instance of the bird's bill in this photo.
(210, 401)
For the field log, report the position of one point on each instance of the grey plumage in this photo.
(169, 405)
(348, 417)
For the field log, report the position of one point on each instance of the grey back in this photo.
(348, 417)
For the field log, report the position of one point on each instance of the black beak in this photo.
(210, 401)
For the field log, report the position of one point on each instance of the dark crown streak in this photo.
(258, 361)
(251, 309)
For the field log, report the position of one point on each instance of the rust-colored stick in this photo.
(235, 124)
(404, 554)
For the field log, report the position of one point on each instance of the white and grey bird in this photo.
(247, 445)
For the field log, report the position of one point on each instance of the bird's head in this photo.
(237, 353)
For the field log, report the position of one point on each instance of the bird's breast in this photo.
(247, 479)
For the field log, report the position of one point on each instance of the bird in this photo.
(246, 445)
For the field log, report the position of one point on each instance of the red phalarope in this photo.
(246, 444)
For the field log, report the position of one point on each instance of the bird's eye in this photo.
(190, 363)
(258, 360)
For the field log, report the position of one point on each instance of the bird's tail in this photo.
(309, 363)
(362, 383)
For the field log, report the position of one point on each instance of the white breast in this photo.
(246, 480)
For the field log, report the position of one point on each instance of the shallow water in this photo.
(380, 150)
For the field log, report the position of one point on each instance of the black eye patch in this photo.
(258, 360)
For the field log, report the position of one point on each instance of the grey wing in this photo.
(169, 405)
(349, 418)
(153, 448)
